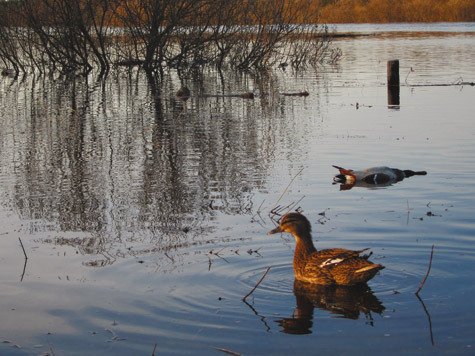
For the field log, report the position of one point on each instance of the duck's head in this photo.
(346, 176)
(339, 178)
(294, 223)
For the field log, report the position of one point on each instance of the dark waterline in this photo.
(144, 218)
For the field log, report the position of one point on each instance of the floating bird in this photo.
(373, 176)
(183, 93)
(335, 266)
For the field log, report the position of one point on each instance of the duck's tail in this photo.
(343, 170)
(367, 255)
(355, 271)
(367, 272)
(373, 268)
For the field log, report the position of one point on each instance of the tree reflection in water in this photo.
(119, 164)
(343, 302)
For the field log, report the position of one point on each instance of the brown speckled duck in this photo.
(335, 266)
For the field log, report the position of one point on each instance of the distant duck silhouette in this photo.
(183, 93)
(335, 266)
(374, 176)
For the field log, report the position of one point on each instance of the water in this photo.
(145, 223)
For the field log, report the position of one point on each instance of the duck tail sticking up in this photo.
(343, 170)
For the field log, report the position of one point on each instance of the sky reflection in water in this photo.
(140, 218)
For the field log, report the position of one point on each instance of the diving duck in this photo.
(335, 266)
(373, 176)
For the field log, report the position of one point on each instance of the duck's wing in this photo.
(331, 257)
(317, 267)
(354, 270)
(342, 266)
(378, 178)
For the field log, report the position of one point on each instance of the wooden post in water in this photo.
(393, 82)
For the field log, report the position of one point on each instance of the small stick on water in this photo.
(209, 265)
(154, 348)
(23, 248)
(298, 201)
(253, 289)
(227, 351)
(428, 318)
(51, 349)
(298, 173)
(428, 270)
(258, 211)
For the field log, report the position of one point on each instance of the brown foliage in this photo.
(382, 11)
(72, 36)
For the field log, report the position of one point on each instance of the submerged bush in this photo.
(77, 36)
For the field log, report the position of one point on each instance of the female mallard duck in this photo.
(373, 176)
(335, 266)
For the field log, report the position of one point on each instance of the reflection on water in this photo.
(136, 208)
(116, 160)
(341, 301)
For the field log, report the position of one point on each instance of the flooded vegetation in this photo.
(78, 36)
(135, 222)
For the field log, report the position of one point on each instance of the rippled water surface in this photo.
(145, 218)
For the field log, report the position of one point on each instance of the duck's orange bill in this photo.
(275, 231)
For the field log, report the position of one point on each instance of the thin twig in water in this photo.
(23, 248)
(227, 351)
(410, 70)
(26, 260)
(428, 318)
(258, 212)
(298, 201)
(24, 270)
(276, 210)
(285, 190)
(253, 289)
(279, 209)
(217, 253)
(251, 251)
(225, 260)
(51, 349)
(263, 318)
(154, 348)
(171, 259)
(211, 252)
(428, 270)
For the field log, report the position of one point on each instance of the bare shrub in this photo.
(76, 36)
